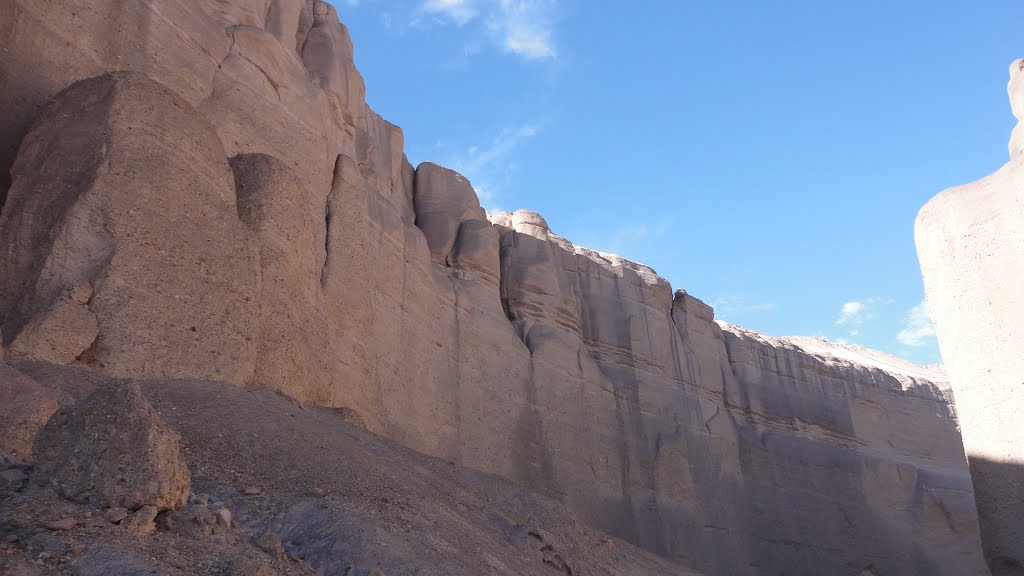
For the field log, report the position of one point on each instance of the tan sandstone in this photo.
(319, 262)
(971, 250)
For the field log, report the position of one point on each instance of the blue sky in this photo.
(768, 157)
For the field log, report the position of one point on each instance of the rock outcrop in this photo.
(26, 407)
(122, 244)
(306, 494)
(971, 249)
(113, 450)
(200, 191)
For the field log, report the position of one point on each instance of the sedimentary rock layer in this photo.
(971, 249)
(286, 242)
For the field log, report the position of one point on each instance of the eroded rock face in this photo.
(319, 262)
(26, 407)
(1016, 91)
(122, 245)
(724, 445)
(113, 450)
(971, 250)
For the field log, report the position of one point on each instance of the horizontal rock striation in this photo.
(198, 190)
(971, 250)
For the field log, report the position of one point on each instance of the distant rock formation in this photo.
(200, 191)
(971, 249)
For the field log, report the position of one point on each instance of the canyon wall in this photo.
(199, 190)
(971, 249)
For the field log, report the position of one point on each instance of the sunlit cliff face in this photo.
(1015, 89)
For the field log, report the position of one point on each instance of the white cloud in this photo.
(520, 27)
(852, 313)
(854, 316)
(628, 239)
(524, 27)
(480, 159)
(728, 307)
(489, 165)
(917, 328)
(461, 12)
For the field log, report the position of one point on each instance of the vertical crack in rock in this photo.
(455, 363)
(505, 256)
(336, 183)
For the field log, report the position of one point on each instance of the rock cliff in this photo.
(971, 250)
(198, 190)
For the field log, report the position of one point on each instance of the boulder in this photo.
(443, 200)
(25, 408)
(61, 334)
(113, 449)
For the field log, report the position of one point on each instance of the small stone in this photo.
(115, 515)
(81, 293)
(88, 514)
(76, 550)
(252, 567)
(143, 522)
(251, 491)
(62, 525)
(12, 538)
(223, 517)
(271, 543)
(203, 516)
(317, 492)
(13, 479)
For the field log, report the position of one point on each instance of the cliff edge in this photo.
(198, 191)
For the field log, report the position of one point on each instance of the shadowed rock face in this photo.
(318, 262)
(971, 250)
(113, 449)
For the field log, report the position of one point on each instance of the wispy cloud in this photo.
(520, 27)
(524, 27)
(855, 314)
(490, 165)
(458, 11)
(630, 240)
(917, 328)
(852, 313)
(728, 308)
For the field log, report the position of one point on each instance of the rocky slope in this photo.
(198, 191)
(971, 250)
(305, 492)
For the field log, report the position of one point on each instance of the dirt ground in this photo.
(309, 492)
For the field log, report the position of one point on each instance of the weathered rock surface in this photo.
(122, 188)
(113, 449)
(386, 509)
(971, 249)
(725, 446)
(25, 408)
(318, 262)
